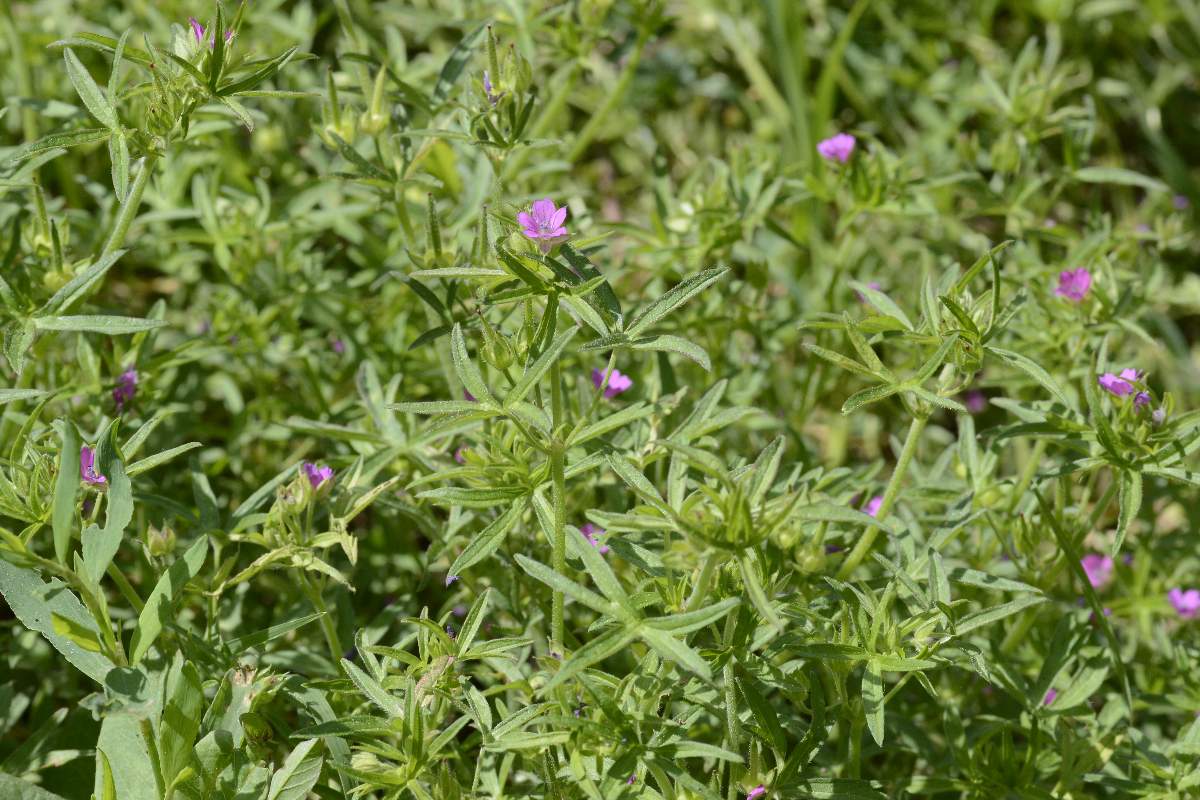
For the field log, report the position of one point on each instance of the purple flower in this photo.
(1073, 284)
(632, 778)
(470, 398)
(590, 532)
(975, 401)
(459, 611)
(451, 579)
(200, 34)
(1180, 202)
(87, 467)
(617, 382)
(1120, 385)
(1158, 416)
(544, 223)
(338, 346)
(1098, 568)
(873, 505)
(317, 474)
(1186, 602)
(1049, 698)
(487, 88)
(126, 388)
(838, 147)
(1141, 400)
(757, 791)
(460, 455)
(872, 285)
(450, 632)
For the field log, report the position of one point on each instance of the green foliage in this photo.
(774, 473)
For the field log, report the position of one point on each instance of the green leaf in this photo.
(66, 487)
(19, 395)
(257, 639)
(157, 613)
(299, 773)
(373, 691)
(75, 289)
(106, 789)
(100, 544)
(118, 154)
(150, 462)
(467, 372)
(986, 617)
(13, 788)
(690, 621)
(455, 63)
(593, 652)
(871, 395)
(181, 717)
(1129, 498)
(55, 141)
(672, 649)
(872, 699)
(133, 773)
(35, 603)
(1035, 371)
(539, 367)
(565, 585)
(91, 94)
(259, 76)
(487, 541)
(1121, 176)
(111, 326)
(673, 299)
(883, 303)
(82, 635)
(673, 344)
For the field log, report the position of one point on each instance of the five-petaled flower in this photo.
(1120, 385)
(544, 223)
(1073, 284)
(317, 474)
(837, 148)
(590, 532)
(126, 388)
(617, 382)
(1098, 568)
(1185, 601)
(87, 467)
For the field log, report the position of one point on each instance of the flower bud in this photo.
(160, 542)
(496, 349)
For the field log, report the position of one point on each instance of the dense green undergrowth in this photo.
(600, 399)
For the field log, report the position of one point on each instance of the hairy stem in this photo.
(889, 497)
(129, 209)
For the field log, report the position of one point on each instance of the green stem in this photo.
(558, 476)
(1027, 475)
(889, 497)
(152, 748)
(327, 625)
(700, 588)
(130, 208)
